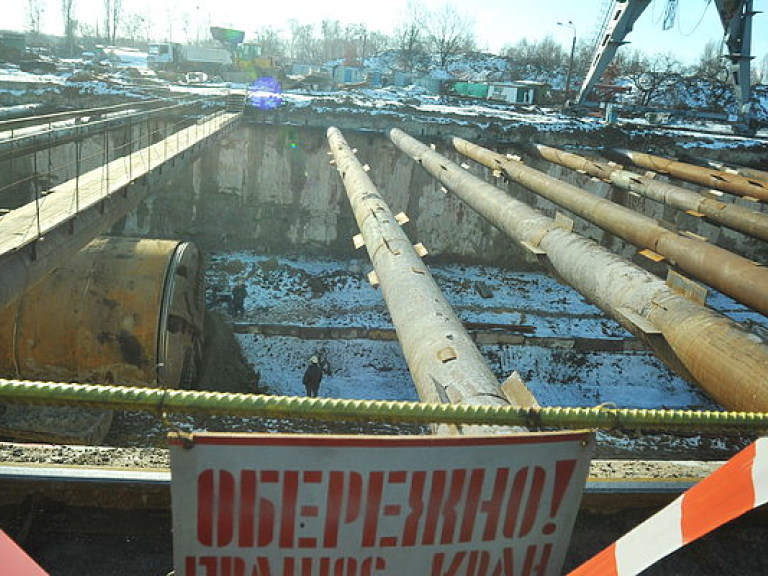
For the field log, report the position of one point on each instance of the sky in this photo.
(496, 22)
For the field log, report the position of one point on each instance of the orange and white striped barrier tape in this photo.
(738, 486)
(16, 561)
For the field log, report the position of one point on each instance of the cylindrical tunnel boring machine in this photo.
(122, 311)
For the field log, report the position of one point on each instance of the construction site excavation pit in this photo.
(566, 350)
(287, 278)
(267, 209)
(280, 224)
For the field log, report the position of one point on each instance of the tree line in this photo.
(422, 39)
(445, 32)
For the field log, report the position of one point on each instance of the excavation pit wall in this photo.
(274, 189)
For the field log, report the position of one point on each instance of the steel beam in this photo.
(612, 484)
(739, 278)
(625, 14)
(444, 362)
(735, 184)
(736, 17)
(728, 362)
(726, 214)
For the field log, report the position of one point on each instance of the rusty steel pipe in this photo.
(731, 169)
(707, 177)
(444, 362)
(729, 363)
(738, 277)
(121, 311)
(731, 215)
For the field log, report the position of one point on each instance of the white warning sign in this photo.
(297, 505)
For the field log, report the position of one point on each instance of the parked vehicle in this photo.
(179, 58)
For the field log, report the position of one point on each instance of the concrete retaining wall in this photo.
(273, 189)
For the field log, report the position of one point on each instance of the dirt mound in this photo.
(224, 368)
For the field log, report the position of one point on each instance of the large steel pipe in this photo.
(729, 273)
(731, 169)
(444, 362)
(708, 177)
(729, 363)
(122, 311)
(731, 215)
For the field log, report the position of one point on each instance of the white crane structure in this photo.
(736, 18)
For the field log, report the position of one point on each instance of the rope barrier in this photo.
(254, 405)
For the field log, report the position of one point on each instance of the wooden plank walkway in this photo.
(61, 204)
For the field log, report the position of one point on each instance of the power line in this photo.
(696, 26)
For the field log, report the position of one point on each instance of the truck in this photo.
(170, 56)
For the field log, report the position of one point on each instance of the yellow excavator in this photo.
(248, 63)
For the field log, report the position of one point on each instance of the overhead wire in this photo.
(698, 23)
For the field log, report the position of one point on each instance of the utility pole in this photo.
(570, 61)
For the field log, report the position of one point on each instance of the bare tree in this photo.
(133, 27)
(541, 55)
(711, 65)
(333, 42)
(88, 32)
(711, 73)
(377, 43)
(651, 78)
(582, 59)
(760, 71)
(450, 33)
(68, 17)
(271, 42)
(304, 46)
(35, 10)
(112, 16)
(355, 43)
(410, 36)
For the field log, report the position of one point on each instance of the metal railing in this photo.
(96, 175)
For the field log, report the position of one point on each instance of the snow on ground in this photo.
(298, 291)
(359, 369)
(397, 103)
(562, 377)
(402, 102)
(318, 292)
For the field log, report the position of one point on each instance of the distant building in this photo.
(471, 89)
(521, 92)
(401, 79)
(305, 69)
(435, 85)
(348, 74)
(308, 77)
(13, 40)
